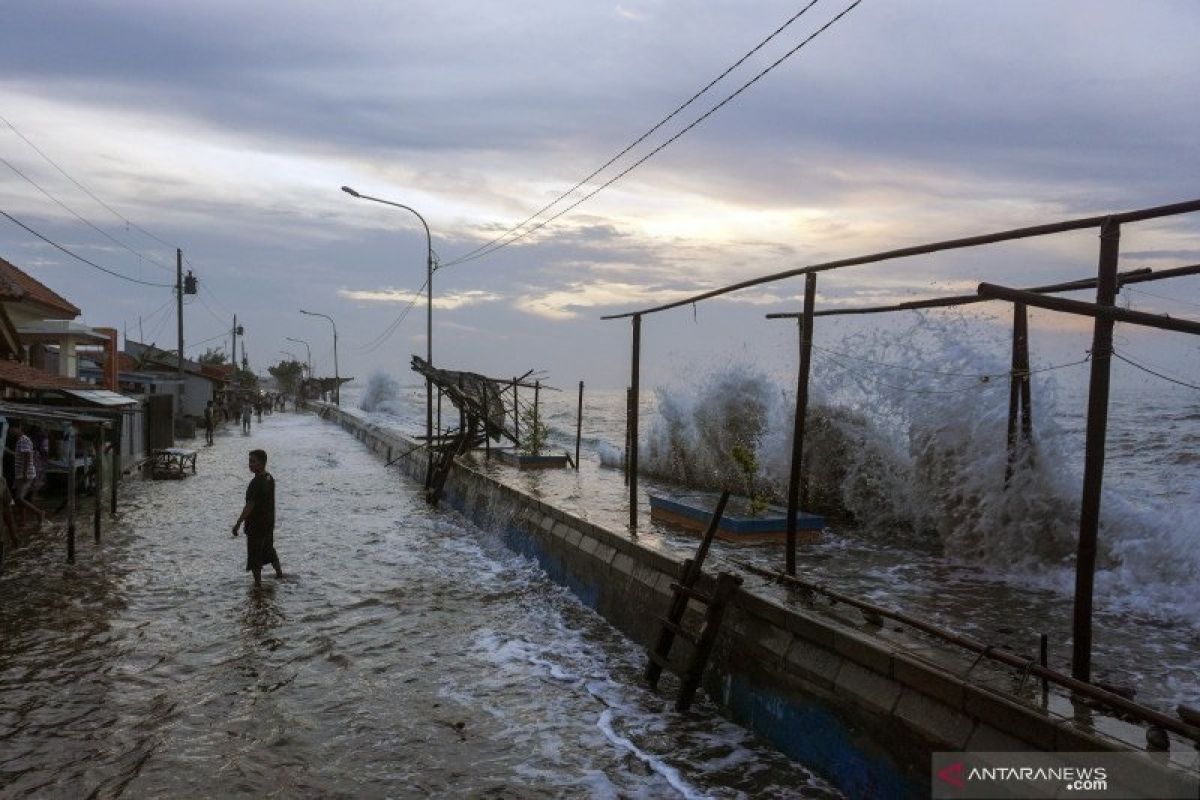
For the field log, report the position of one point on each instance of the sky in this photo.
(226, 129)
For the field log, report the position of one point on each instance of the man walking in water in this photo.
(246, 417)
(209, 422)
(259, 516)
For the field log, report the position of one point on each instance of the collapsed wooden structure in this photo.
(482, 418)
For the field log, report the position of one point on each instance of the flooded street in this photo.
(405, 654)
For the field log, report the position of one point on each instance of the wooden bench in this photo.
(172, 462)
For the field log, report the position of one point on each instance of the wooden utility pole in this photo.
(179, 319)
(634, 382)
(794, 477)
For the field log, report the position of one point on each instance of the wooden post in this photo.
(439, 415)
(1093, 466)
(634, 382)
(578, 426)
(625, 452)
(794, 477)
(1044, 660)
(537, 392)
(98, 465)
(516, 415)
(69, 440)
(1020, 391)
(118, 443)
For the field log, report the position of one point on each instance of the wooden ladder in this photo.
(702, 641)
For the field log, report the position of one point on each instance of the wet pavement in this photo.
(405, 654)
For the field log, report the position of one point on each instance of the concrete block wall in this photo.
(863, 713)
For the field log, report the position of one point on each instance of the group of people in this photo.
(26, 455)
(239, 410)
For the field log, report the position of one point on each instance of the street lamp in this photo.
(307, 349)
(337, 389)
(428, 323)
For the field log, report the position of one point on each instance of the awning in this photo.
(101, 397)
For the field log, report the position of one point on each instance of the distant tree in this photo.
(245, 379)
(287, 374)
(213, 355)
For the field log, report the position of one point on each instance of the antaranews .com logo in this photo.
(966, 776)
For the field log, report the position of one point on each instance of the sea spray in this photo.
(907, 435)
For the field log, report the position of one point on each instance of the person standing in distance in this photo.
(259, 517)
(209, 422)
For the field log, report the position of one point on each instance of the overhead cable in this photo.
(82, 188)
(80, 217)
(641, 138)
(660, 147)
(78, 257)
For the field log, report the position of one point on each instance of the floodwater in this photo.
(405, 654)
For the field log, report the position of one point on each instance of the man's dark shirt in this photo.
(261, 492)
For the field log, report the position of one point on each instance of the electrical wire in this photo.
(644, 136)
(83, 188)
(80, 217)
(78, 257)
(1160, 296)
(660, 147)
(980, 386)
(1166, 378)
(378, 341)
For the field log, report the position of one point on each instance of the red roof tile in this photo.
(19, 286)
(29, 379)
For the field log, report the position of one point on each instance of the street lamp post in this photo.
(428, 324)
(337, 389)
(307, 349)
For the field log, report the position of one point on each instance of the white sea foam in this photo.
(920, 451)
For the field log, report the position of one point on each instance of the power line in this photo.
(83, 188)
(80, 217)
(644, 136)
(1167, 378)
(78, 257)
(1161, 296)
(660, 147)
(378, 341)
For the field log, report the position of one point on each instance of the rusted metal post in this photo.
(634, 382)
(1093, 466)
(578, 426)
(98, 465)
(794, 476)
(69, 440)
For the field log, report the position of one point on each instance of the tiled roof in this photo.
(19, 286)
(29, 379)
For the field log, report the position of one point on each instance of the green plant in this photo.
(747, 462)
(533, 432)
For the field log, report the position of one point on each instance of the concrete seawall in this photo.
(866, 709)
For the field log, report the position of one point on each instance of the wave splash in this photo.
(907, 436)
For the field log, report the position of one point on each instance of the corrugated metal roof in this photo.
(101, 397)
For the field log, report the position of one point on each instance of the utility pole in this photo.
(233, 345)
(179, 317)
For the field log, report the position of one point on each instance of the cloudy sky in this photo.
(227, 128)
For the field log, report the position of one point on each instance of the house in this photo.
(201, 382)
